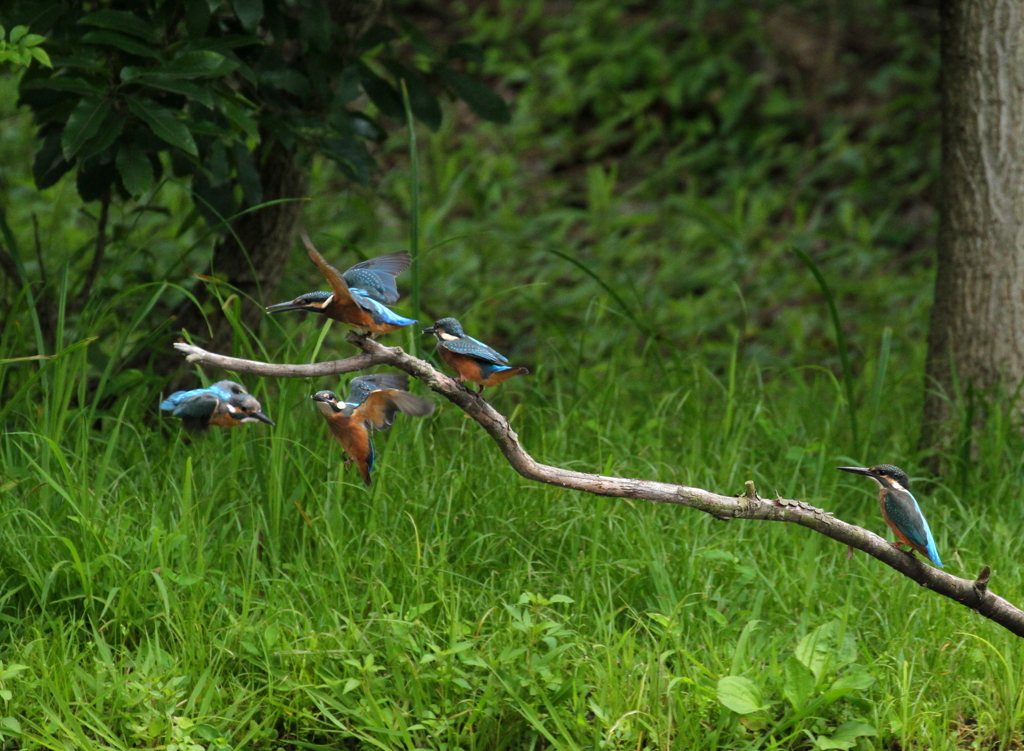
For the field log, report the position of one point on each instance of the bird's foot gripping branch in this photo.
(748, 505)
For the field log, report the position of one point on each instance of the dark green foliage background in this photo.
(629, 236)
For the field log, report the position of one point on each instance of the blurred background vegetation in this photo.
(630, 235)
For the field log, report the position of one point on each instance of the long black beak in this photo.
(430, 330)
(262, 418)
(318, 398)
(281, 306)
(857, 471)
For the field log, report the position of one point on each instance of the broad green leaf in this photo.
(109, 131)
(136, 171)
(798, 683)
(17, 33)
(195, 92)
(11, 723)
(122, 42)
(240, 116)
(163, 123)
(483, 100)
(83, 123)
(124, 21)
(381, 93)
(846, 684)
(31, 40)
(198, 64)
(740, 694)
(823, 652)
(249, 12)
(846, 735)
(64, 83)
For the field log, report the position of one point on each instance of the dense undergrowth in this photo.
(629, 237)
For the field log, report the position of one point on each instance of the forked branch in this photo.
(748, 505)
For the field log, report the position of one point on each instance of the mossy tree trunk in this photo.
(976, 340)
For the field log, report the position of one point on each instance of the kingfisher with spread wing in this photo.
(357, 297)
(373, 403)
(224, 404)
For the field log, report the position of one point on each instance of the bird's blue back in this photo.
(381, 313)
(902, 508)
(195, 403)
(469, 346)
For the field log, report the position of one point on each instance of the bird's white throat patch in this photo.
(445, 336)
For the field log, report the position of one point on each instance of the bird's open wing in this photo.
(334, 277)
(381, 406)
(471, 347)
(362, 386)
(376, 276)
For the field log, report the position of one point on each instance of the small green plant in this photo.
(814, 679)
(21, 48)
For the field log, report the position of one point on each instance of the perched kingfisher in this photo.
(224, 404)
(357, 297)
(373, 401)
(900, 510)
(474, 361)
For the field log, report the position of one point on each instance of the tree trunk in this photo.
(976, 341)
(251, 259)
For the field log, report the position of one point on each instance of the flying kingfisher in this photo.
(357, 297)
(224, 404)
(372, 404)
(474, 361)
(900, 510)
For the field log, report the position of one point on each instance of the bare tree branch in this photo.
(748, 505)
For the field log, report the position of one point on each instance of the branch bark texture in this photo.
(748, 505)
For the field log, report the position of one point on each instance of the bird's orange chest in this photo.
(351, 434)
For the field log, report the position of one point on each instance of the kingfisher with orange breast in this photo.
(472, 360)
(357, 297)
(373, 403)
(900, 510)
(224, 404)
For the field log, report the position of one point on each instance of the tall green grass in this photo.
(242, 590)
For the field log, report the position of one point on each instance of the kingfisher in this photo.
(357, 297)
(474, 361)
(224, 404)
(372, 404)
(900, 510)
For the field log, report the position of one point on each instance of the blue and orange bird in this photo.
(224, 404)
(357, 297)
(900, 510)
(372, 404)
(472, 360)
